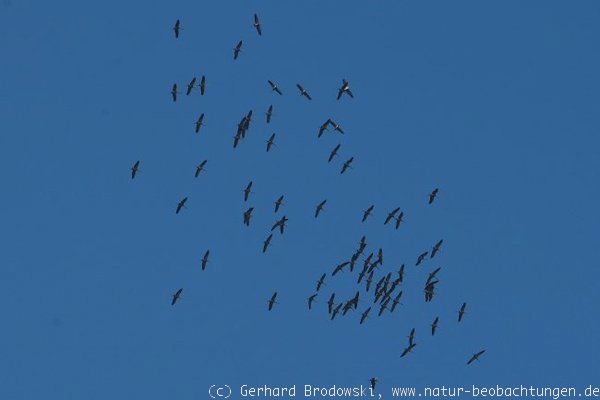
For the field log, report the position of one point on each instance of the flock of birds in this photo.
(386, 292)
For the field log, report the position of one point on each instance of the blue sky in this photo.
(494, 103)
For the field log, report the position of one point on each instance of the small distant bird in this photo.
(330, 303)
(174, 92)
(365, 315)
(411, 336)
(248, 216)
(202, 85)
(321, 281)
(323, 128)
(135, 169)
(176, 296)
(334, 152)
(373, 382)
(339, 268)
(177, 28)
(434, 325)
(247, 191)
(267, 242)
(200, 168)
(278, 203)
(237, 49)
(347, 165)
(205, 259)
(367, 212)
(391, 215)
(199, 122)
(311, 299)
(272, 301)
(408, 349)
(336, 311)
(461, 312)
(345, 88)
(399, 219)
(421, 258)
(432, 275)
(180, 205)
(190, 86)
(475, 356)
(436, 248)
(401, 273)
(280, 224)
(433, 195)
(275, 88)
(303, 91)
(257, 25)
(269, 113)
(396, 301)
(320, 207)
(270, 142)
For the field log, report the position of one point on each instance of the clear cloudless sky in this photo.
(495, 103)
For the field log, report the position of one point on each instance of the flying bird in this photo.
(200, 168)
(272, 301)
(433, 195)
(364, 315)
(345, 88)
(247, 191)
(396, 301)
(237, 49)
(275, 88)
(367, 212)
(391, 215)
(135, 169)
(334, 152)
(330, 303)
(202, 85)
(461, 312)
(475, 356)
(323, 128)
(177, 28)
(436, 248)
(320, 207)
(401, 273)
(174, 92)
(278, 203)
(336, 311)
(311, 299)
(321, 282)
(269, 113)
(346, 165)
(205, 259)
(257, 25)
(280, 224)
(432, 275)
(176, 296)
(339, 268)
(411, 336)
(190, 86)
(199, 122)
(399, 219)
(270, 142)
(408, 349)
(303, 91)
(373, 382)
(267, 242)
(248, 216)
(421, 258)
(434, 325)
(180, 205)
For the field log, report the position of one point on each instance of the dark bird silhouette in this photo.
(199, 122)
(433, 195)
(421, 258)
(391, 215)
(247, 191)
(408, 349)
(257, 25)
(177, 29)
(272, 301)
(336, 311)
(205, 259)
(339, 268)
(190, 86)
(411, 336)
(200, 168)
(280, 224)
(373, 382)
(248, 216)
(365, 315)
(396, 301)
(432, 275)
(367, 213)
(176, 296)
(311, 299)
(475, 356)
(430, 290)
(174, 92)
(269, 114)
(401, 273)
(237, 49)
(345, 88)
(399, 219)
(323, 128)
(346, 165)
(434, 325)
(334, 152)
(330, 303)
(320, 207)
(321, 281)
(303, 91)
(275, 88)
(436, 248)
(369, 281)
(278, 203)
(180, 205)
(202, 85)
(270, 142)
(135, 169)
(461, 312)
(267, 242)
